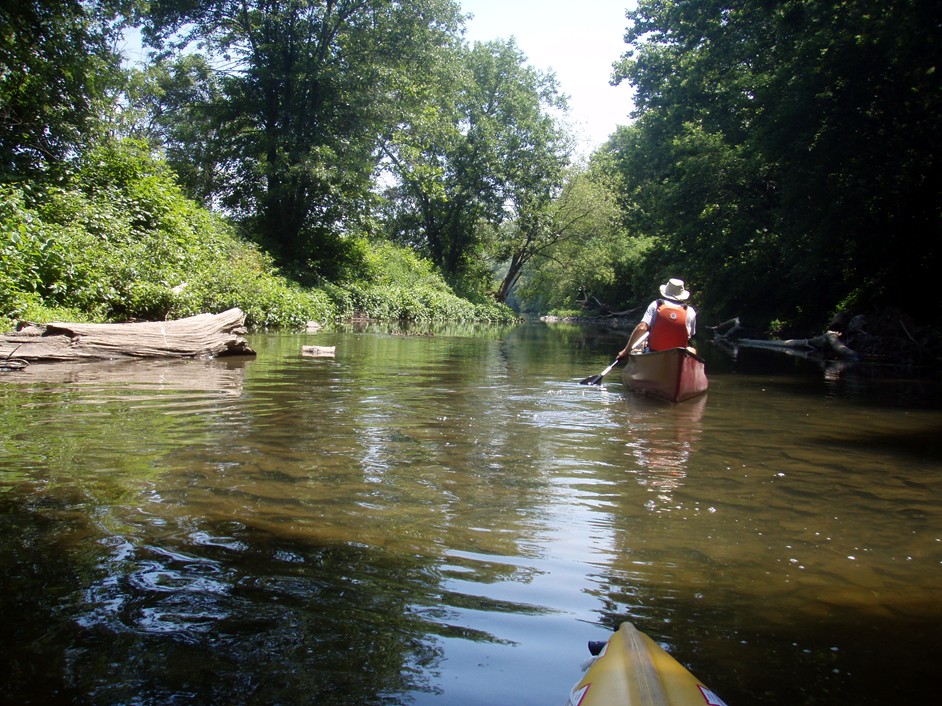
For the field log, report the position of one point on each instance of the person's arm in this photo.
(691, 329)
(639, 331)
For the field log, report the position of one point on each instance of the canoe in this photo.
(674, 375)
(633, 670)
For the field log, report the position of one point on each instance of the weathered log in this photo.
(202, 336)
(791, 343)
(318, 351)
(829, 340)
(833, 339)
(727, 329)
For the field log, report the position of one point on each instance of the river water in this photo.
(449, 517)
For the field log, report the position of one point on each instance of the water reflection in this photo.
(223, 375)
(448, 518)
(663, 437)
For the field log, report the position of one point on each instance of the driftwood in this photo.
(728, 329)
(202, 336)
(828, 341)
(318, 351)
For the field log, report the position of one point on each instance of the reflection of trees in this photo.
(220, 375)
(312, 532)
(232, 614)
(400, 442)
(296, 542)
(79, 440)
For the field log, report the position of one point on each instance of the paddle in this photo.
(597, 379)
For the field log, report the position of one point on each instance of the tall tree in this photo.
(793, 136)
(488, 142)
(308, 86)
(588, 260)
(175, 104)
(581, 211)
(58, 73)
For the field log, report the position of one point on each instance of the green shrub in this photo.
(400, 285)
(122, 242)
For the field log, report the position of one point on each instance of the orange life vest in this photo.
(669, 327)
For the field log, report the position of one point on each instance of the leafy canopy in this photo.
(794, 137)
(289, 122)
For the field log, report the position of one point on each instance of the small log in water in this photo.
(202, 336)
(318, 351)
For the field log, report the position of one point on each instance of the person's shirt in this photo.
(691, 315)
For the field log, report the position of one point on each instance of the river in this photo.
(448, 517)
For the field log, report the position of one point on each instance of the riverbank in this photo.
(886, 336)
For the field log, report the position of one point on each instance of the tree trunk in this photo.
(510, 279)
(203, 336)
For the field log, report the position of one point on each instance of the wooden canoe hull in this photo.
(633, 670)
(674, 375)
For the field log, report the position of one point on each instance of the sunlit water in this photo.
(449, 518)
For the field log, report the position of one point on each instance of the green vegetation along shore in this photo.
(119, 241)
(323, 160)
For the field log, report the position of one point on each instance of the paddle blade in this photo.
(597, 379)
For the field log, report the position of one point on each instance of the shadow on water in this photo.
(211, 621)
(447, 516)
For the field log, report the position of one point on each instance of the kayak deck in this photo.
(633, 670)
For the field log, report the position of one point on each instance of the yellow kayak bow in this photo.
(633, 670)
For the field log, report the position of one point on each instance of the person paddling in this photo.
(668, 321)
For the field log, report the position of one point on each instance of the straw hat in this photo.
(674, 289)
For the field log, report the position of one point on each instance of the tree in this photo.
(308, 87)
(58, 74)
(176, 104)
(595, 261)
(584, 209)
(786, 136)
(489, 145)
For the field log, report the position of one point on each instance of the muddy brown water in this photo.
(450, 518)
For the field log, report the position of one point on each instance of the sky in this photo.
(579, 41)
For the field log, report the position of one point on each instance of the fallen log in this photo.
(201, 336)
(826, 341)
(728, 329)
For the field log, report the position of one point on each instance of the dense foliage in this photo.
(290, 118)
(786, 156)
(488, 151)
(783, 159)
(399, 285)
(57, 73)
(567, 251)
(121, 242)
(275, 119)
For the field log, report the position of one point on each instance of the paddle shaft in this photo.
(597, 379)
